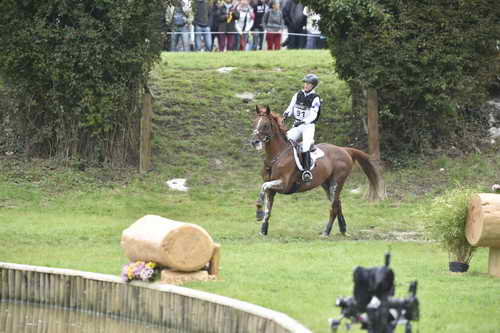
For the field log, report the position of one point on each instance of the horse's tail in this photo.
(376, 189)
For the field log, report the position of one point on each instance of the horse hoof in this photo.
(324, 235)
(262, 234)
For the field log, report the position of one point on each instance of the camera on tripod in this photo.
(373, 305)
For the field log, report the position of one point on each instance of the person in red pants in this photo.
(274, 24)
(226, 15)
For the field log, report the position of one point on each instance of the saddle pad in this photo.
(315, 155)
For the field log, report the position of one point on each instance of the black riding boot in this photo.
(306, 174)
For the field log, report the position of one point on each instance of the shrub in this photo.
(445, 223)
(431, 62)
(76, 70)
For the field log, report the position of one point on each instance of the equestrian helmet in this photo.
(312, 79)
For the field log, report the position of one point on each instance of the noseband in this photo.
(263, 137)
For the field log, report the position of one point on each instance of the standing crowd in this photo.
(228, 25)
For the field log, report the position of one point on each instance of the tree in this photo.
(76, 70)
(431, 62)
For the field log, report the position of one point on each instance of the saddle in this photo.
(316, 154)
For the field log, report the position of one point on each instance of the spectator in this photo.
(166, 27)
(274, 24)
(201, 25)
(226, 16)
(295, 20)
(312, 27)
(244, 23)
(214, 22)
(181, 26)
(259, 9)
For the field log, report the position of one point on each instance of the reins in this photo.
(268, 138)
(277, 157)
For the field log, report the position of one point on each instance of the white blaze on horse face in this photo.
(258, 146)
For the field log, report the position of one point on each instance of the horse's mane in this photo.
(279, 120)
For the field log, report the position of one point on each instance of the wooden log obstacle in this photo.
(483, 227)
(185, 250)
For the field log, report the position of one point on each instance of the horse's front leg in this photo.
(261, 201)
(266, 198)
(267, 214)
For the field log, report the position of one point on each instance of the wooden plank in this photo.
(17, 286)
(146, 131)
(494, 262)
(373, 131)
(213, 266)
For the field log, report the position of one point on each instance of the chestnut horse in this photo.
(280, 173)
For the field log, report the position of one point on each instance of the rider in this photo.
(305, 108)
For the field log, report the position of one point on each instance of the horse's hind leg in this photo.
(336, 208)
(267, 214)
(326, 187)
(330, 189)
(341, 219)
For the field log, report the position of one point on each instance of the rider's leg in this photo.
(308, 136)
(294, 134)
(307, 142)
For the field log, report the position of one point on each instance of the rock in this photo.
(493, 109)
(225, 70)
(246, 96)
(177, 184)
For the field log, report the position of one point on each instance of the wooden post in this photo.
(373, 133)
(213, 266)
(146, 129)
(494, 262)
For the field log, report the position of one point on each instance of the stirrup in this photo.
(306, 176)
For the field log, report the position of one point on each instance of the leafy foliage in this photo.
(446, 221)
(431, 61)
(76, 70)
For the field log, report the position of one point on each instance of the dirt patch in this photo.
(402, 236)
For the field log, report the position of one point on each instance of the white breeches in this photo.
(304, 132)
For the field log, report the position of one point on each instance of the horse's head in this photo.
(266, 125)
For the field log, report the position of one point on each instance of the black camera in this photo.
(373, 305)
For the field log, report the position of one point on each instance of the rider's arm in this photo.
(289, 110)
(313, 111)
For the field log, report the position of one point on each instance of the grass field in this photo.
(64, 217)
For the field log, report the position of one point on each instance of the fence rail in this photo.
(161, 304)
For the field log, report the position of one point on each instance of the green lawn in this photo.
(64, 217)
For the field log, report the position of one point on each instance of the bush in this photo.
(445, 223)
(432, 63)
(76, 70)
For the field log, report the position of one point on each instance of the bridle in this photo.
(265, 138)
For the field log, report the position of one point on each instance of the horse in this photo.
(280, 173)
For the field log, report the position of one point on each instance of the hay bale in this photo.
(181, 246)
